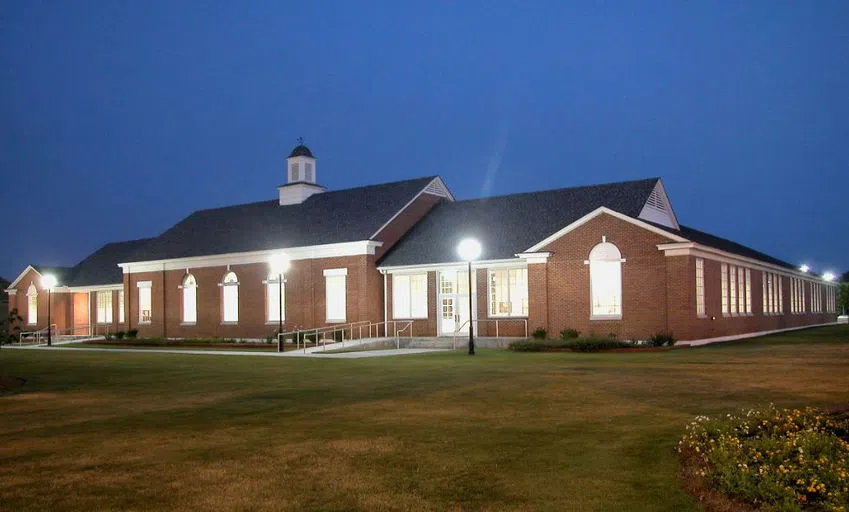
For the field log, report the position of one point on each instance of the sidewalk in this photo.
(294, 353)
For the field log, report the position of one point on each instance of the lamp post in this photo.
(279, 264)
(469, 250)
(49, 281)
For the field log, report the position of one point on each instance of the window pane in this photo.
(273, 300)
(418, 296)
(606, 278)
(144, 305)
(725, 289)
(32, 305)
(231, 303)
(335, 299)
(121, 306)
(700, 286)
(190, 304)
(104, 307)
(401, 296)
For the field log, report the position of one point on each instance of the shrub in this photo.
(119, 335)
(535, 345)
(593, 344)
(568, 334)
(132, 333)
(773, 459)
(540, 334)
(662, 339)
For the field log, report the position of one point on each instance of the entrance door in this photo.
(81, 314)
(454, 301)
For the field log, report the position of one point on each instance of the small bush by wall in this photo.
(568, 334)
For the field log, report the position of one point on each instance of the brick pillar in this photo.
(538, 297)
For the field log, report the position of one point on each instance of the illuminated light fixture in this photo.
(804, 268)
(279, 264)
(828, 276)
(48, 281)
(469, 250)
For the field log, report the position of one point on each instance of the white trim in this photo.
(335, 272)
(21, 276)
(595, 213)
(534, 257)
(651, 213)
(144, 284)
(713, 254)
(734, 337)
(438, 181)
(95, 288)
(12, 292)
(461, 265)
(244, 258)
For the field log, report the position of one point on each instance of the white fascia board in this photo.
(11, 291)
(595, 213)
(363, 247)
(454, 265)
(21, 276)
(94, 288)
(711, 253)
(534, 257)
(411, 201)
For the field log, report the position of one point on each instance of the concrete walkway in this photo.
(345, 355)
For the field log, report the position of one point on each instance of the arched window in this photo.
(190, 299)
(32, 304)
(273, 296)
(230, 298)
(606, 281)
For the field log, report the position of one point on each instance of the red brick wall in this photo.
(60, 304)
(304, 298)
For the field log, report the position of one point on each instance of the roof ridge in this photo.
(553, 190)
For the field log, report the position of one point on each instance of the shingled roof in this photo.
(101, 267)
(506, 225)
(331, 217)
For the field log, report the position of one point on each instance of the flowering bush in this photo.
(775, 459)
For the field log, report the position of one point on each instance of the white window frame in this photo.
(121, 315)
(103, 306)
(189, 302)
(272, 297)
(229, 294)
(524, 307)
(32, 304)
(748, 291)
(145, 290)
(598, 261)
(407, 306)
(332, 279)
(701, 312)
(732, 287)
(726, 308)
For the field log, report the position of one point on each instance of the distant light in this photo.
(469, 249)
(279, 263)
(828, 276)
(48, 281)
(804, 268)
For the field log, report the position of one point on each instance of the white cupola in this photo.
(301, 177)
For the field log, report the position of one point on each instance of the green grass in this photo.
(502, 430)
(94, 344)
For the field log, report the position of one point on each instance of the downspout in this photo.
(164, 306)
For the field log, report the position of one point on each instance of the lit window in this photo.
(409, 296)
(606, 281)
(334, 294)
(272, 299)
(508, 292)
(190, 299)
(764, 295)
(121, 306)
(733, 289)
(700, 287)
(748, 291)
(780, 294)
(230, 298)
(32, 304)
(725, 308)
(741, 290)
(104, 307)
(145, 313)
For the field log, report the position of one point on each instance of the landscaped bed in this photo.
(777, 460)
(592, 344)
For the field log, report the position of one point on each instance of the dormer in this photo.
(301, 176)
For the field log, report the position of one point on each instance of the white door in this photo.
(454, 301)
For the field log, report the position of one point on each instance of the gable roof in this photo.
(331, 217)
(700, 237)
(507, 225)
(101, 267)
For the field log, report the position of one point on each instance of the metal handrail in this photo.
(38, 334)
(477, 321)
(355, 331)
(398, 333)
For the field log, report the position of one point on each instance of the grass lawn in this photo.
(502, 430)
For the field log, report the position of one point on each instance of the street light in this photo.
(48, 281)
(279, 263)
(804, 268)
(469, 250)
(828, 276)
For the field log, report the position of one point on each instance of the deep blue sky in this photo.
(119, 118)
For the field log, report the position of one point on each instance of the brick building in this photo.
(602, 259)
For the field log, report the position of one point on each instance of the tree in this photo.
(13, 322)
(843, 298)
(844, 278)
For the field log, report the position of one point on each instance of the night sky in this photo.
(119, 118)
